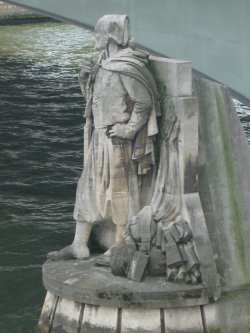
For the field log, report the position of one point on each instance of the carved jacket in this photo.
(130, 65)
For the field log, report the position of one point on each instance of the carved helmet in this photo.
(115, 27)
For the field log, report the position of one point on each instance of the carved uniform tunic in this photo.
(109, 188)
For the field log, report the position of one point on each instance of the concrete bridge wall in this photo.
(213, 34)
(13, 14)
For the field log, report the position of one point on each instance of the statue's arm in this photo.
(85, 75)
(142, 105)
(82, 78)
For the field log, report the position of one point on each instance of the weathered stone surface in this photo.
(174, 75)
(48, 313)
(138, 266)
(84, 282)
(203, 246)
(188, 113)
(140, 321)
(67, 317)
(186, 109)
(224, 182)
(230, 314)
(183, 320)
(99, 319)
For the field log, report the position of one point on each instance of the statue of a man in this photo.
(120, 127)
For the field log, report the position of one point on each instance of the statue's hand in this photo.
(121, 131)
(117, 130)
(87, 67)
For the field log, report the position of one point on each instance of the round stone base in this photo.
(84, 298)
(65, 316)
(84, 282)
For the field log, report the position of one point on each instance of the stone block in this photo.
(183, 320)
(140, 321)
(138, 266)
(99, 319)
(172, 75)
(224, 181)
(67, 317)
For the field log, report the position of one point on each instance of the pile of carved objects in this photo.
(156, 248)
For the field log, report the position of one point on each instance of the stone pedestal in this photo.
(85, 298)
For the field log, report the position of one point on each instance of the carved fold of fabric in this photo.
(166, 202)
(144, 151)
(131, 64)
(109, 188)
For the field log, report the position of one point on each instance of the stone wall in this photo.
(14, 14)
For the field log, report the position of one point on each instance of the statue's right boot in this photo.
(78, 249)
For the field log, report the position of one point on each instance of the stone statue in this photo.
(121, 112)
(122, 182)
(163, 160)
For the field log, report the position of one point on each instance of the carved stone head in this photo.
(112, 27)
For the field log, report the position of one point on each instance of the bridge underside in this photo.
(213, 34)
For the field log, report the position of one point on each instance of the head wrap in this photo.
(115, 27)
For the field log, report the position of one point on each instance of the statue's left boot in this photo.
(104, 259)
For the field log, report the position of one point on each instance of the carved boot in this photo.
(104, 259)
(78, 249)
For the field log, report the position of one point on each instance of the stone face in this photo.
(140, 321)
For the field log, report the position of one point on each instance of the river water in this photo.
(41, 157)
